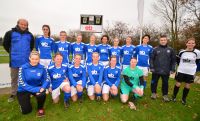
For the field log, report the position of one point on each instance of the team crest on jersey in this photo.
(38, 74)
(64, 71)
(116, 72)
(168, 51)
(44, 44)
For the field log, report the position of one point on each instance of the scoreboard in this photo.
(91, 23)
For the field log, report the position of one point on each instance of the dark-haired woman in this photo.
(44, 45)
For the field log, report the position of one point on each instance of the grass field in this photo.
(147, 109)
(3, 59)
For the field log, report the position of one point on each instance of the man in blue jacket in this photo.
(18, 42)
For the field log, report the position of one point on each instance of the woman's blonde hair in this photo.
(34, 53)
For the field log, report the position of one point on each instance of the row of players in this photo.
(34, 79)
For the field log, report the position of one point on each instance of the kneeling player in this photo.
(95, 72)
(112, 79)
(59, 80)
(77, 77)
(132, 82)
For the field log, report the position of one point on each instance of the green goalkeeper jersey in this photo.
(133, 75)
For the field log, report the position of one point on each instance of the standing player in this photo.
(90, 48)
(95, 73)
(143, 53)
(162, 64)
(133, 81)
(33, 80)
(78, 48)
(44, 44)
(127, 52)
(58, 73)
(115, 50)
(112, 79)
(103, 50)
(187, 60)
(77, 77)
(63, 47)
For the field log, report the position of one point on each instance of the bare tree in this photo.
(169, 10)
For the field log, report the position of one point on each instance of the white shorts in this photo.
(145, 70)
(106, 89)
(124, 66)
(105, 63)
(45, 62)
(73, 91)
(90, 90)
(56, 92)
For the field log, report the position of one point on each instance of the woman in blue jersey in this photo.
(95, 73)
(143, 53)
(77, 77)
(78, 47)
(103, 50)
(90, 48)
(115, 50)
(112, 79)
(44, 44)
(58, 73)
(127, 52)
(63, 46)
(187, 60)
(33, 80)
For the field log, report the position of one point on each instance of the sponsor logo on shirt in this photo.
(111, 75)
(44, 44)
(126, 52)
(142, 52)
(56, 76)
(94, 72)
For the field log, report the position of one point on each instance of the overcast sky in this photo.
(65, 14)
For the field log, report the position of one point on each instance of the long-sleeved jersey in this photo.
(78, 48)
(112, 76)
(103, 51)
(57, 75)
(89, 49)
(127, 54)
(95, 73)
(64, 49)
(117, 52)
(32, 78)
(77, 75)
(143, 53)
(44, 46)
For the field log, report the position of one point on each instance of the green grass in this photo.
(114, 110)
(3, 59)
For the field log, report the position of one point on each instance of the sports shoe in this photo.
(183, 101)
(98, 98)
(165, 98)
(66, 104)
(132, 106)
(80, 100)
(40, 113)
(173, 99)
(11, 98)
(153, 96)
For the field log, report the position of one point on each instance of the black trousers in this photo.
(154, 83)
(25, 101)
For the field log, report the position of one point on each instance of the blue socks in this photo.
(98, 94)
(79, 94)
(67, 96)
(145, 84)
